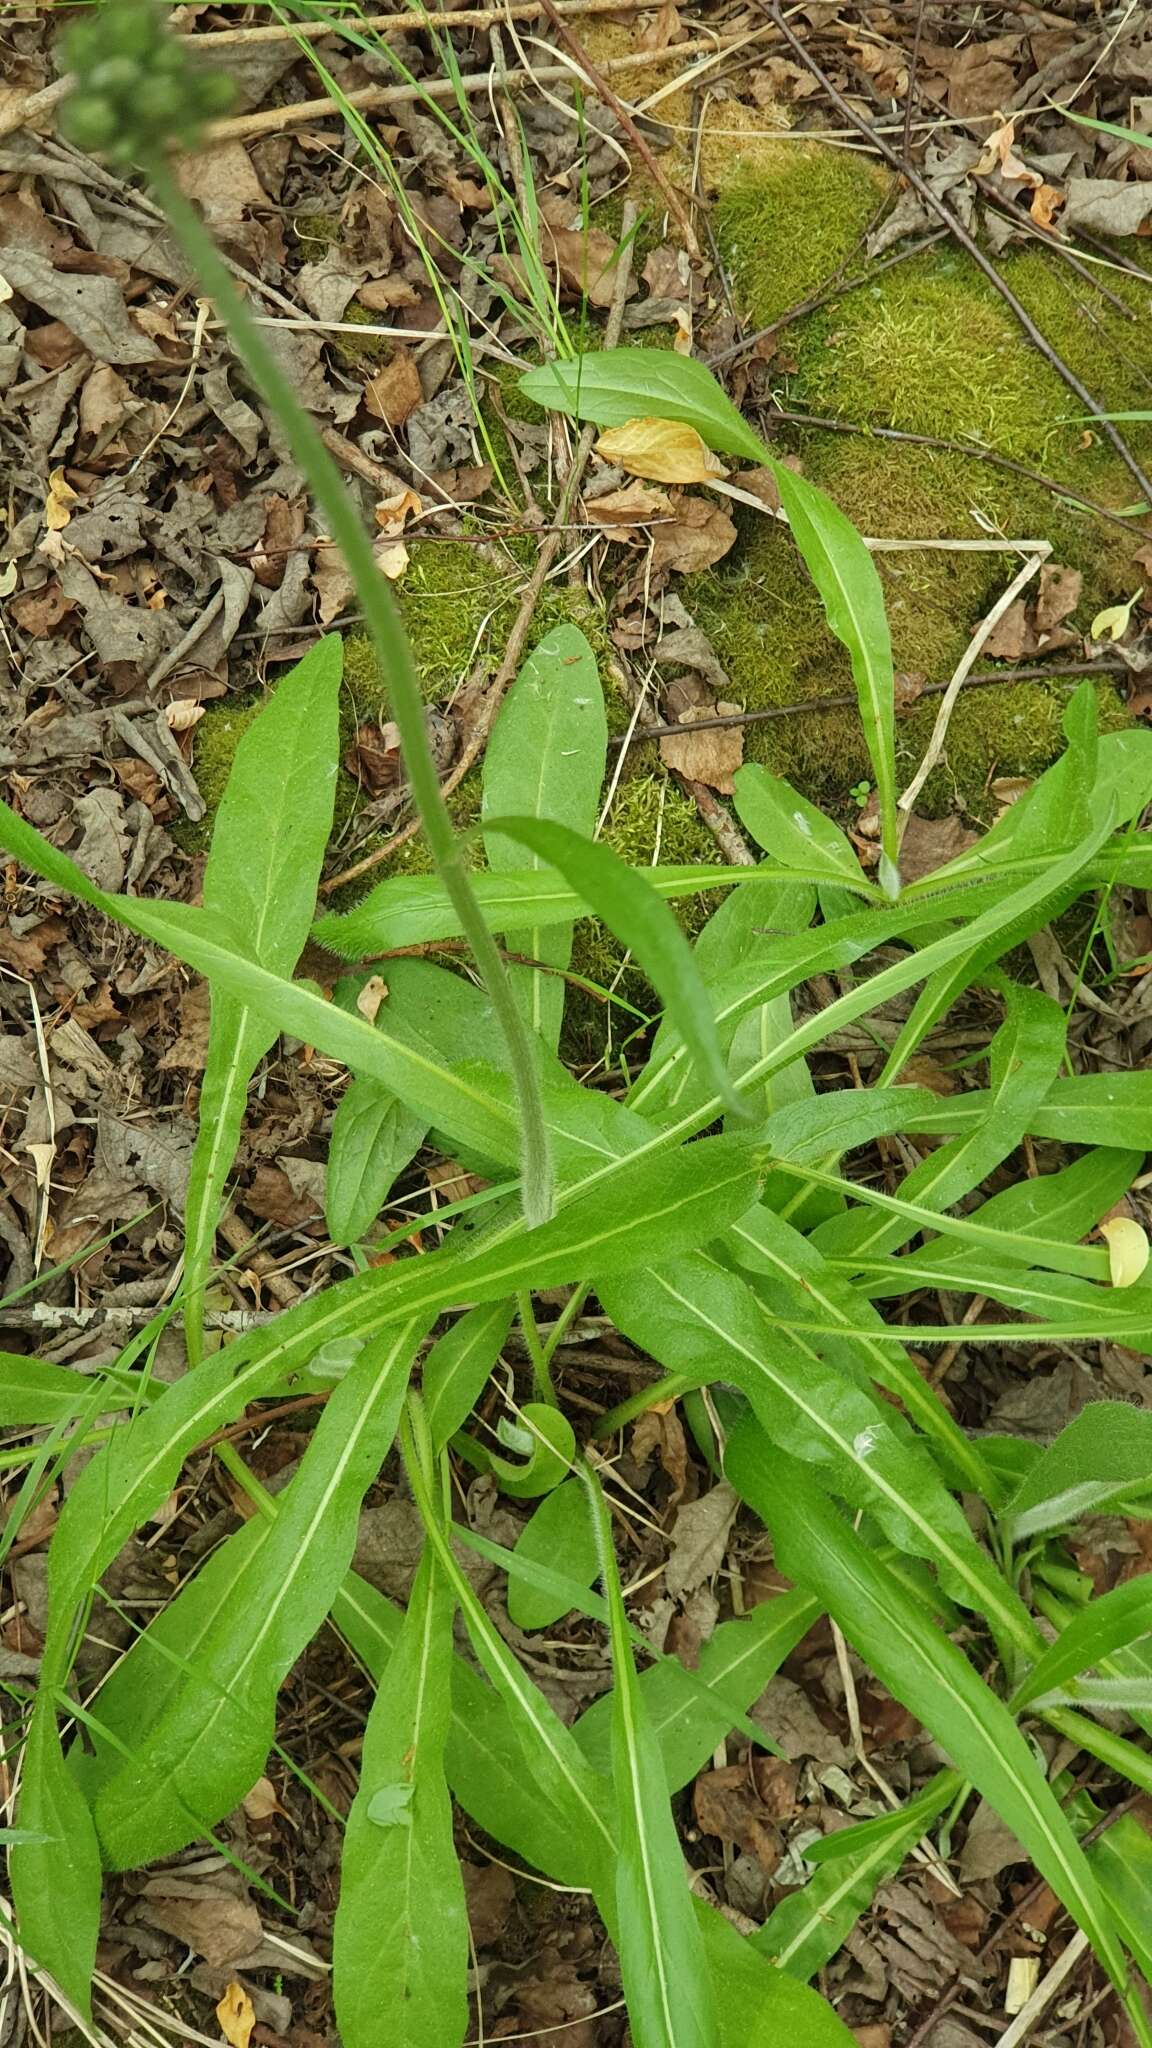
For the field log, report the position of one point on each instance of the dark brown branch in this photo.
(985, 680)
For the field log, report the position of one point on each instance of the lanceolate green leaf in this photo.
(33, 1391)
(127, 1481)
(1110, 1623)
(805, 1930)
(268, 843)
(621, 897)
(400, 1950)
(661, 1955)
(699, 1317)
(758, 2004)
(563, 1779)
(545, 759)
(847, 579)
(1067, 1204)
(995, 928)
(1103, 1455)
(55, 1870)
(408, 910)
(796, 1283)
(458, 1365)
(920, 1666)
(561, 1527)
(210, 1746)
(619, 384)
(736, 1663)
(374, 1136)
(1025, 1059)
(790, 829)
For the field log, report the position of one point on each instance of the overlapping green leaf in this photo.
(268, 841)
(700, 1318)
(922, 1668)
(545, 759)
(805, 1930)
(661, 1953)
(208, 1748)
(400, 1940)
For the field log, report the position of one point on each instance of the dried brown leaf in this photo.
(712, 756)
(394, 391)
(701, 534)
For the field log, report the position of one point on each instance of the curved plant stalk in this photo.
(395, 659)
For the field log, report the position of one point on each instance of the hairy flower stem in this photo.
(395, 657)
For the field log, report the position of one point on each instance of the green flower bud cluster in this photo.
(138, 87)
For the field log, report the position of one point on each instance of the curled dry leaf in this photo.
(59, 502)
(1127, 1249)
(664, 451)
(237, 2016)
(622, 511)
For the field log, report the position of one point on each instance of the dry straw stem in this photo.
(277, 120)
(410, 22)
(1040, 553)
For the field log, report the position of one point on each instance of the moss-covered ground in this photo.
(928, 347)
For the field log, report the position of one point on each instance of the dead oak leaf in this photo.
(711, 756)
(727, 1805)
(584, 260)
(663, 451)
(929, 843)
(215, 1924)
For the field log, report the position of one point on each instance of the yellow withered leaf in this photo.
(1127, 1249)
(237, 2016)
(664, 451)
(59, 502)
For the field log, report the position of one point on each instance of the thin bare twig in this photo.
(964, 667)
(812, 706)
(639, 143)
(946, 447)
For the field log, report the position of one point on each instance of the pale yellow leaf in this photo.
(59, 502)
(664, 451)
(1127, 1249)
(1113, 621)
(237, 2016)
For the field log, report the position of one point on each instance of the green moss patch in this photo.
(929, 348)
